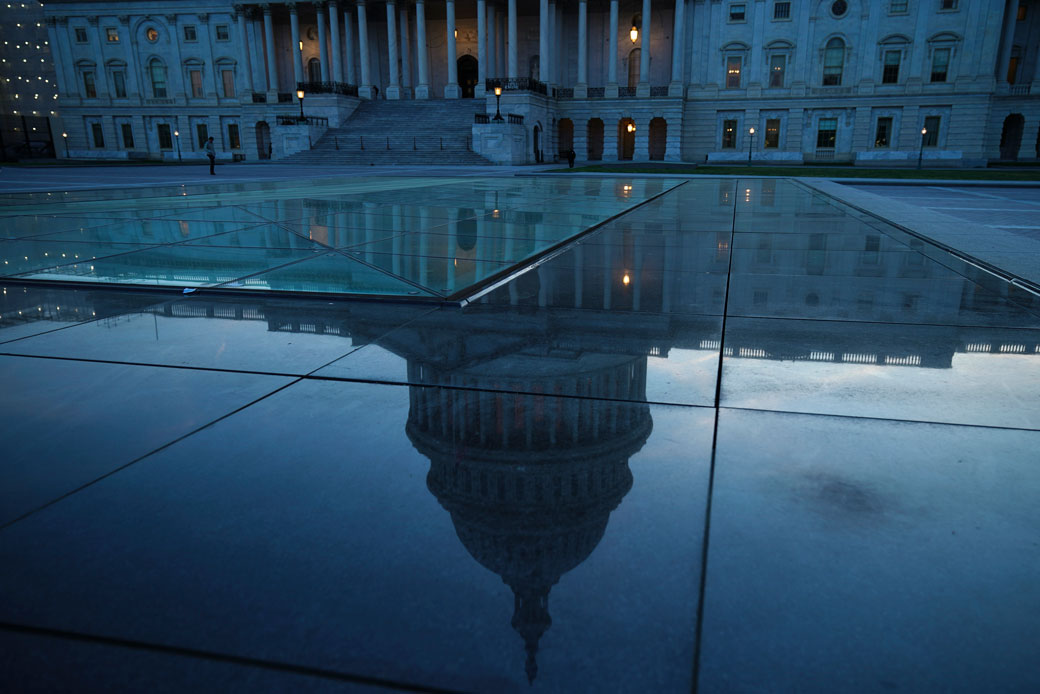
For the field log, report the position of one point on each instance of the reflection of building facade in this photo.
(827, 80)
(28, 91)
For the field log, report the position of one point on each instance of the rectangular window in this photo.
(833, 63)
(158, 74)
(223, 32)
(81, 35)
(897, 7)
(89, 89)
(202, 134)
(931, 124)
(782, 10)
(128, 135)
(890, 73)
(733, 72)
(729, 134)
(196, 83)
(1021, 12)
(165, 138)
(737, 13)
(232, 136)
(98, 135)
(189, 33)
(119, 84)
(228, 77)
(112, 34)
(940, 64)
(1012, 69)
(827, 133)
(947, 4)
(883, 134)
(777, 65)
(772, 140)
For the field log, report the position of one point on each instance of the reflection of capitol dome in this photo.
(530, 480)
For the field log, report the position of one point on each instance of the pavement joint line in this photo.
(881, 419)
(246, 661)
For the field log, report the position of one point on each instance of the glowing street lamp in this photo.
(498, 101)
(177, 137)
(920, 154)
(633, 33)
(65, 136)
(299, 96)
(631, 127)
(751, 146)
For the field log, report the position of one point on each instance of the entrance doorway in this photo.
(658, 138)
(538, 143)
(566, 137)
(626, 139)
(595, 141)
(467, 66)
(1011, 136)
(263, 140)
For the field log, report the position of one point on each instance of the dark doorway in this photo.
(566, 138)
(658, 138)
(314, 70)
(1011, 136)
(595, 141)
(626, 139)
(263, 140)
(537, 143)
(467, 75)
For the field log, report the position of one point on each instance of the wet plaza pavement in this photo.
(720, 435)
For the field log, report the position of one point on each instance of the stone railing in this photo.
(1019, 90)
(520, 84)
(597, 92)
(259, 98)
(309, 120)
(285, 97)
(341, 88)
(659, 91)
(626, 92)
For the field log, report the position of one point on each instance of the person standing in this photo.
(212, 154)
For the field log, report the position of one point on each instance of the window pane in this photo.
(733, 72)
(931, 124)
(112, 35)
(98, 134)
(777, 64)
(940, 63)
(229, 82)
(890, 74)
(772, 133)
(833, 59)
(729, 134)
(782, 10)
(196, 83)
(736, 13)
(883, 136)
(89, 89)
(119, 84)
(128, 135)
(826, 134)
(202, 134)
(222, 32)
(190, 33)
(158, 75)
(232, 132)
(165, 139)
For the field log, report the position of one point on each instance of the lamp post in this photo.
(751, 146)
(177, 137)
(65, 136)
(299, 95)
(498, 102)
(920, 153)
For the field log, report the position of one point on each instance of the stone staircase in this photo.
(421, 131)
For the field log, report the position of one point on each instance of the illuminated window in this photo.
(112, 35)
(733, 72)
(827, 132)
(772, 139)
(729, 134)
(151, 34)
(883, 133)
(777, 65)
(232, 133)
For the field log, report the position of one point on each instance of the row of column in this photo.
(492, 46)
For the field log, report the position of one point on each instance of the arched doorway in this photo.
(538, 143)
(263, 140)
(314, 70)
(658, 138)
(566, 137)
(1011, 136)
(467, 65)
(626, 139)
(595, 139)
(633, 68)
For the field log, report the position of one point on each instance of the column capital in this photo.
(51, 21)
(265, 7)
(124, 19)
(92, 20)
(62, 21)
(171, 18)
(291, 5)
(203, 17)
(320, 4)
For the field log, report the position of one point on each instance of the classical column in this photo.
(581, 89)
(513, 71)
(337, 56)
(492, 43)
(612, 85)
(675, 88)
(365, 91)
(643, 88)
(1006, 43)
(406, 50)
(543, 40)
(59, 63)
(272, 67)
(133, 74)
(393, 89)
(243, 40)
(422, 89)
(348, 45)
(323, 45)
(451, 90)
(478, 92)
(550, 55)
(100, 75)
(294, 24)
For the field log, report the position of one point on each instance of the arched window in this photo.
(833, 60)
(633, 68)
(157, 74)
(314, 70)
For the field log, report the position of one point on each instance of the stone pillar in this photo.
(641, 149)
(59, 65)
(610, 140)
(550, 55)
(611, 91)
(101, 75)
(422, 54)
(1008, 40)
(451, 90)
(406, 50)
(294, 24)
(492, 43)
(581, 89)
(348, 45)
(643, 88)
(513, 70)
(323, 44)
(365, 90)
(543, 40)
(243, 40)
(478, 92)
(337, 55)
(393, 89)
(675, 88)
(272, 67)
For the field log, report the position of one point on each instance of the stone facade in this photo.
(828, 80)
